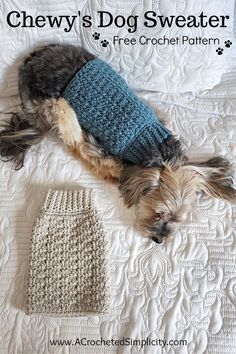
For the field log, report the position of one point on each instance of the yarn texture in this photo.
(112, 113)
(68, 259)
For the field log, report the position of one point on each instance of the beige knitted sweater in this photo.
(68, 257)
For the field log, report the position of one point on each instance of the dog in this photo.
(163, 186)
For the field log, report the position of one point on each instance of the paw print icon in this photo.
(228, 44)
(96, 36)
(104, 43)
(219, 51)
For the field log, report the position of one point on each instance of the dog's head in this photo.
(164, 195)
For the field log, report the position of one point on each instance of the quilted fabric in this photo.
(165, 68)
(182, 289)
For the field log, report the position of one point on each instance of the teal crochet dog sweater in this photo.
(108, 109)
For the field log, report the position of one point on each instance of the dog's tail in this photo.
(21, 131)
(16, 138)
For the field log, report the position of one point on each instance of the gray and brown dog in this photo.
(163, 188)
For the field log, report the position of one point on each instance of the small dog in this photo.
(163, 184)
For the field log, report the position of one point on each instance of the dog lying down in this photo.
(68, 92)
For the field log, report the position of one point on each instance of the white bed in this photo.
(183, 289)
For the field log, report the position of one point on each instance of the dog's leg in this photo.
(82, 145)
(62, 118)
(108, 167)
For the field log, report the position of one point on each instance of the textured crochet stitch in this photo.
(68, 259)
(112, 113)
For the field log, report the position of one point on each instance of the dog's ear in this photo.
(136, 182)
(215, 178)
(169, 151)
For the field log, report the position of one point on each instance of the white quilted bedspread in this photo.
(183, 289)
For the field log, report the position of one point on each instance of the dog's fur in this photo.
(163, 189)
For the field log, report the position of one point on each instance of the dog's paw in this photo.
(96, 36)
(104, 43)
(219, 51)
(228, 44)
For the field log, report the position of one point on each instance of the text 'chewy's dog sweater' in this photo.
(108, 109)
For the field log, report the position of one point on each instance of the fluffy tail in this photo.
(17, 136)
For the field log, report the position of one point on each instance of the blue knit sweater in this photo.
(108, 109)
